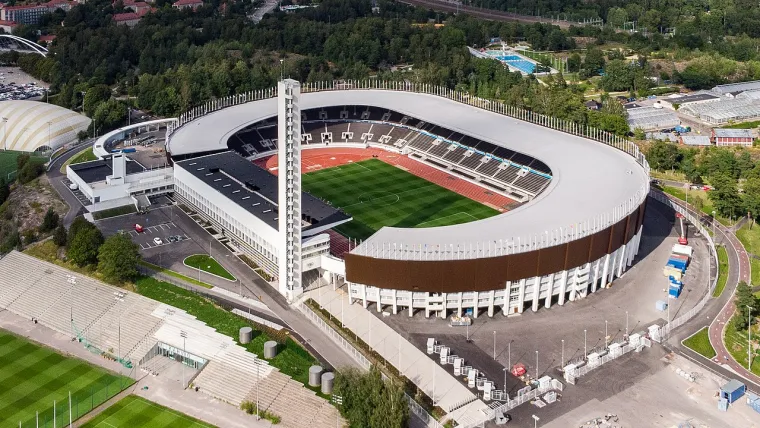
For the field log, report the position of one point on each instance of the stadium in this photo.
(420, 198)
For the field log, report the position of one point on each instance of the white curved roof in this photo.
(28, 124)
(593, 185)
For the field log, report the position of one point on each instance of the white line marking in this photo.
(450, 215)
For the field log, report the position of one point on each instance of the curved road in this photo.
(55, 176)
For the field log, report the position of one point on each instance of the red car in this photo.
(138, 228)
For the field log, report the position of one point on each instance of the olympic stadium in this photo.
(419, 200)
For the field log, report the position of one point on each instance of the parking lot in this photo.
(158, 235)
(77, 193)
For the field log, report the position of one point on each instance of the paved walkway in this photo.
(436, 381)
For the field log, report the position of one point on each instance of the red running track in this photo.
(316, 159)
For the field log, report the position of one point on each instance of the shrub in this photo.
(59, 237)
(50, 221)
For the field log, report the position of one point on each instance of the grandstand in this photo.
(498, 168)
(110, 320)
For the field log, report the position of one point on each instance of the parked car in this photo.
(158, 241)
(138, 228)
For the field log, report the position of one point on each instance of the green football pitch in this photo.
(377, 194)
(133, 411)
(33, 377)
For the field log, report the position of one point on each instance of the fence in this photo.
(414, 407)
(81, 403)
(694, 218)
(526, 397)
(569, 233)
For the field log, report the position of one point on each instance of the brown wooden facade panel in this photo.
(489, 273)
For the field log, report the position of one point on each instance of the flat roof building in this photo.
(681, 101)
(733, 137)
(695, 140)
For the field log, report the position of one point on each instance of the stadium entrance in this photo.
(172, 362)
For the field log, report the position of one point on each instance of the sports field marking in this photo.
(142, 403)
(459, 214)
(398, 195)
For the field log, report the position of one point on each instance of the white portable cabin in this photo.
(634, 339)
(593, 359)
(684, 250)
(430, 345)
(444, 354)
(471, 378)
(545, 382)
(487, 388)
(616, 350)
(458, 362)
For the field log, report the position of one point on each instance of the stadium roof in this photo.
(254, 189)
(590, 179)
(30, 123)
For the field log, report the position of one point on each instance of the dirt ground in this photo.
(29, 202)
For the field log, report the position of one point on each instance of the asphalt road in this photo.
(55, 176)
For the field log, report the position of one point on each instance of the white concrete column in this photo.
(445, 309)
(563, 287)
(521, 300)
(536, 292)
(507, 295)
(595, 276)
(550, 291)
(613, 261)
(475, 305)
(411, 301)
(459, 305)
(605, 272)
(395, 301)
(364, 296)
(491, 299)
(622, 257)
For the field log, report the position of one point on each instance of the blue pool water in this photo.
(517, 62)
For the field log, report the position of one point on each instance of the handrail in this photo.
(513, 245)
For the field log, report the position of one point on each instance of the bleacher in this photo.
(345, 124)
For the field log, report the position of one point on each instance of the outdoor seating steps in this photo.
(38, 298)
(12, 286)
(224, 382)
(246, 361)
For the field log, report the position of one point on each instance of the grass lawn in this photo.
(133, 411)
(292, 359)
(736, 342)
(745, 125)
(85, 155)
(113, 212)
(704, 204)
(377, 194)
(33, 376)
(209, 265)
(722, 271)
(8, 162)
(750, 238)
(174, 274)
(700, 343)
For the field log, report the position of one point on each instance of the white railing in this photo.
(414, 407)
(693, 217)
(513, 245)
(555, 385)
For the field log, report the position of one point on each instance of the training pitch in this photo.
(377, 194)
(133, 411)
(32, 377)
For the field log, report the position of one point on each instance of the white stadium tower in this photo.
(582, 195)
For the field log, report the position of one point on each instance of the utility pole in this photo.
(749, 338)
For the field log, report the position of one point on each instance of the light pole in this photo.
(505, 379)
(257, 386)
(509, 352)
(585, 349)
(184, 339)
(749, 337)
(606, 334)
(713, 222)
(49, 124)
(626, 324)
(536, 364)
(494, 345)
(535, 421)
(562, 362)
(5, 133)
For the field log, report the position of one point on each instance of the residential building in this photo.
(733, 137)
(29, 15)
(184, 4)
(130, 19)
(8, 26)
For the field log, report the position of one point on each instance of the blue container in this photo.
(678, 263)
(661, 305)
(732, 391)
(674, 291)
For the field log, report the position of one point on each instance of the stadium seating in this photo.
(358, 124)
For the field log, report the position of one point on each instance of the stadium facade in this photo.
(582, 195)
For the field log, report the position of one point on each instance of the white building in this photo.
(241, 200)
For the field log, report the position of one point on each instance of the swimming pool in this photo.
(515, 61)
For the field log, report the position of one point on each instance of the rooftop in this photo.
(187, 2)
(695, 140)
(97, 170)
(255, 189)
(737, 87)
(129, 16)
(733, 133)
(692, 98)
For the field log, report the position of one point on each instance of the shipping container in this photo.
(670, 270)
(661, 305)
(674, 291)
(678, 264)
(732, 391)
(681, 257)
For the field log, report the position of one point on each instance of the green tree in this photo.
(118, 258)
(50, 221)
(751, 197)
(59, 237)
(574, 62)
(370, 402)
(663, 156)
(617, 16)
(725, 195)
(79, 224)
(5, 191)
(22, 160)
(745, 297)
(83, 248)
(29, 236)
(94, 96)
(593, 63)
